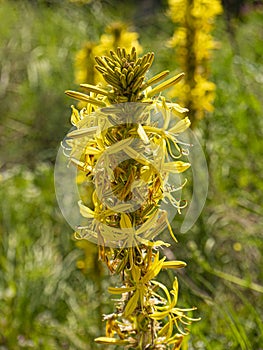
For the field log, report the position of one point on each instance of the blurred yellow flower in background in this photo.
(193, 44)
(116, 35)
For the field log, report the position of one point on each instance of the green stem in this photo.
(237, 280)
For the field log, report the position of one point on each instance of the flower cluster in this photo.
(116, 35)
(126, 145)
(194, 43)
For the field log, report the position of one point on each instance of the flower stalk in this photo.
(194, 43)
(126, 145)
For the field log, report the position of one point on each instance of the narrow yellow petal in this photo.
(175, 291)
(164, 330)
(170, 229)
(111, 341)
(75, 116)
(119, 146)
(154, 269)
(96, 89)
(156, 78)
(165, 85)
(177, 340)
(115, 290)
(132, 304)
(82, 132)
(86, 98)
(176, 167)
(159, 315)
(181, 126)
(92, 150)
(164, 288)
(85, 211)
(136, 273)
(143, 135)
(125, 221)
(153, 244)
(176, 264)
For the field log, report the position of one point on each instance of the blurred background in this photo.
(53, 291)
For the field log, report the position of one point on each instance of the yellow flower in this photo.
(117, 35)
(194, 43)
(176, 316)
(177, 10)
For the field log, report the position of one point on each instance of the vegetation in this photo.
(46, 301)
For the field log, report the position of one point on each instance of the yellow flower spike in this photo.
(127, 159)
(118, 35)
(194, 43)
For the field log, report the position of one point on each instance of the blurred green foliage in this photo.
(227, 241)
(46, 302)
(38, 46)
